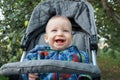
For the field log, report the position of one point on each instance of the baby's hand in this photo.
(32, 76)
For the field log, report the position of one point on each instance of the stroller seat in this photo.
(81, 15)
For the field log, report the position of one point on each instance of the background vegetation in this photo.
(107, 15)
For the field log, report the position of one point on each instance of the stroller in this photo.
(80, 13)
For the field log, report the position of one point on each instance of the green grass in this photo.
(110, 66)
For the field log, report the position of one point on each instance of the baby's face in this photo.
(58, 34)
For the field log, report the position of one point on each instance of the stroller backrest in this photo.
(80, 14)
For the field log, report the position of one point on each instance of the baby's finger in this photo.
(32, 78)
(33, 75)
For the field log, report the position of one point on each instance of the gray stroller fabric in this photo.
(81, 12)
(45, 66)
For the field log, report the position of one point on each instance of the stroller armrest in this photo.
(46, 66)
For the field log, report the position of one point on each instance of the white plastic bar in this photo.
(94, 57)
(23, 56)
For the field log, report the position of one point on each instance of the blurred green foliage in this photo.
(12, 28)
(108, 23)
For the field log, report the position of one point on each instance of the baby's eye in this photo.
(66, 30)
(54, 30)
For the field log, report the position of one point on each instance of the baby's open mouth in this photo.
(60, 40)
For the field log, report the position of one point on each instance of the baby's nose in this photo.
(60, 32)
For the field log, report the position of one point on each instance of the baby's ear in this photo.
(46, 38)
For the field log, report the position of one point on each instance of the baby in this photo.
(59, 37)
